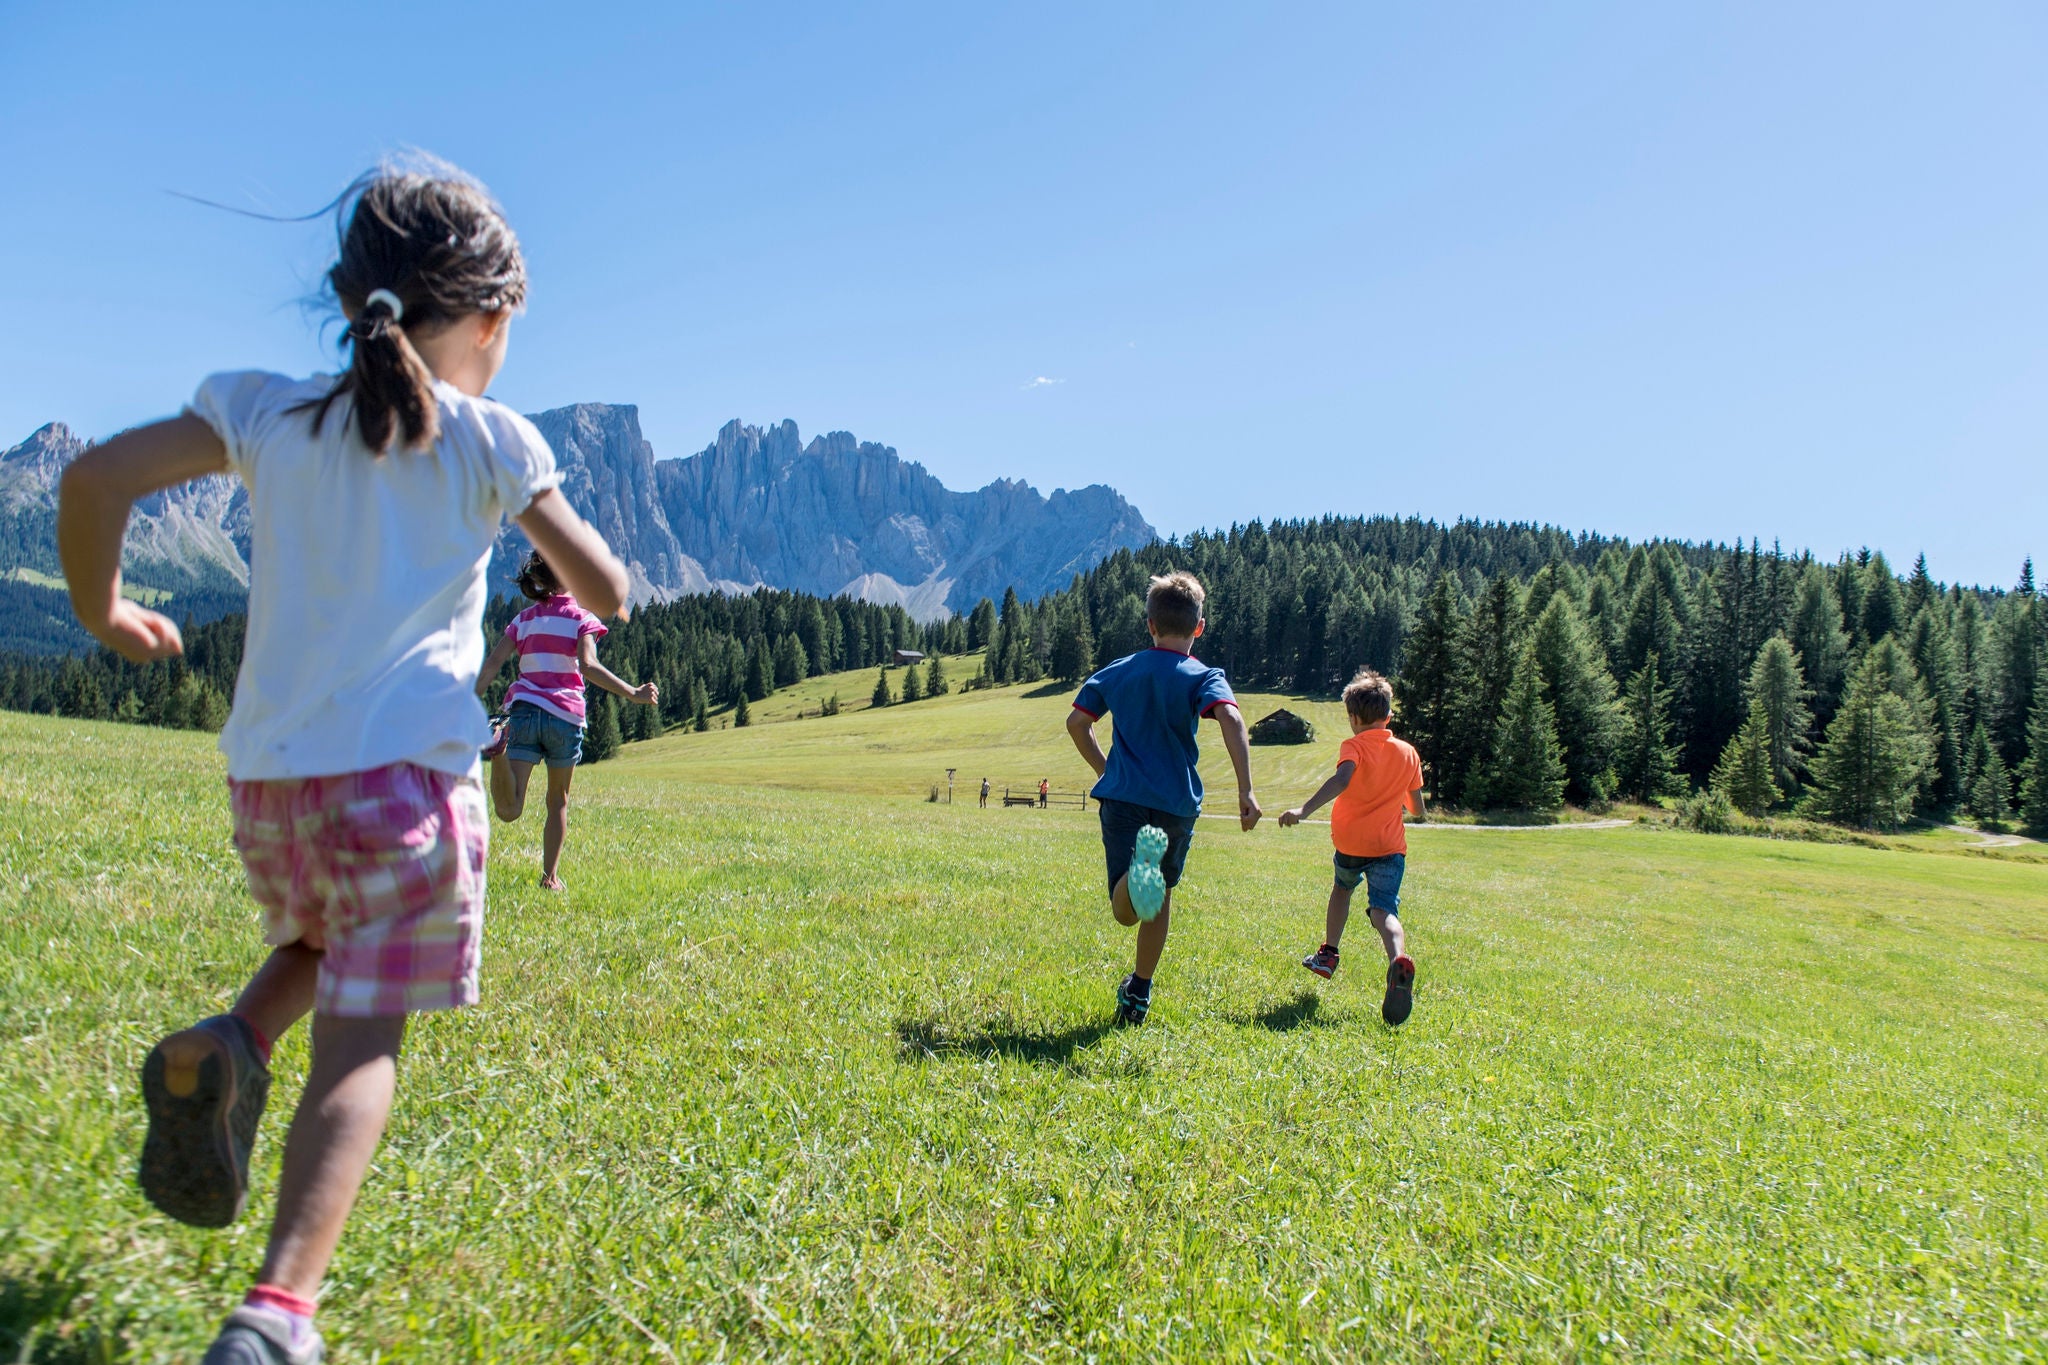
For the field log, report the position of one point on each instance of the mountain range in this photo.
(758, 506)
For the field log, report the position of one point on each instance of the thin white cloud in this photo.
(1041, 382)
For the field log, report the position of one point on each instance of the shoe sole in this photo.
(1400, 999)
(1318, 970)
(188, 1168)
(1144, 882)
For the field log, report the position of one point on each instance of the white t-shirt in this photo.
(366, 577)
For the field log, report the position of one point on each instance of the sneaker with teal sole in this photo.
(1145, 882)
(1131, 1007)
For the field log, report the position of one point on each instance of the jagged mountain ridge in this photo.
(755, 507)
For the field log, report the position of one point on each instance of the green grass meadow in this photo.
(804, 1067)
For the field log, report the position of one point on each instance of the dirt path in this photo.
(1505, 829)
(1991, 840)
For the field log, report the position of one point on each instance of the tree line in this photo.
(1534, 666)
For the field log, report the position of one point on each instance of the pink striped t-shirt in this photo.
(547, 634)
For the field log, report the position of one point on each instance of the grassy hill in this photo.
(1013, 735)
(796, 1072)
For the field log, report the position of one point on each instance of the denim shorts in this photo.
(1121, 822)
(537, 736)
(1382, 878)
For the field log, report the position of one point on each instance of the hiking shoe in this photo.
(1323, 962)
(1131, 1007)
(202, 1123)
(254, 1335)
(1400, 990)
(1145, 882)
(501, 735)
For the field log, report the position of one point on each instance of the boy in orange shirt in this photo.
(1377, 776)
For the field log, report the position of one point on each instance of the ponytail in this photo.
(421, 248)
(390, 386)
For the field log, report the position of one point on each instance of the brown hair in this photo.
(435, 239)
(536, 579)
(1174, 603)
(1369, 696)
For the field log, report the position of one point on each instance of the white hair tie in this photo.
(389, 300)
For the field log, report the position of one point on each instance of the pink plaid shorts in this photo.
(384, 870)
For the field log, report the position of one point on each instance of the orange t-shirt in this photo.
(1365, 822)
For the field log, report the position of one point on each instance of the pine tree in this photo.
(1920, 588)
(1990, 781)
(1487, 652)
(760, 670)
(1777, 684)
(1427, 687)
(1526, 769)
(1646, 765)
(913, 685)
(1927, 642)
(742, 714)
(881, 693)
(1744, 772)
(1818, 636)
(1073, 646)
(935, 683)
(981, 624)
(1884, 608)
(792, 661)
(700, 706)
(2034, 776)
(1580, 691)
(1870, 768)
(602, 739)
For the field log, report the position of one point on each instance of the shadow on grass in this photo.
(36, 1323)
(920, 1039)
(1053, 689)
(1303, 1011)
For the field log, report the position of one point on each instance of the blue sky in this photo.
(1702, 271)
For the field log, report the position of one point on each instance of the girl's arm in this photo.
(1329, 791)
(572, 547)
(93, 501)
(494, 661)
(647, 694)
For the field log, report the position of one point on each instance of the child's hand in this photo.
(1290, 818)
(647, 694)
(1248, 811)
(138, 634)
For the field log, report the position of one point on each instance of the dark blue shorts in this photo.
(1382, 878)
(537, 736)
(1121, 822)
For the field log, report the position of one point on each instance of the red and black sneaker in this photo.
(1323, 962)
(1400, 998)
(501, 734)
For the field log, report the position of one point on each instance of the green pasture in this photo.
(804, 1067)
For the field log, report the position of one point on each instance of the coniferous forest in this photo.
(1533, 667)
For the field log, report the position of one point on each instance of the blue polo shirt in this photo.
(1157, 699)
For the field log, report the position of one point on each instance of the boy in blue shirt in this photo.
(1147, 787)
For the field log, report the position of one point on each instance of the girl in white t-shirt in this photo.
(352, 746)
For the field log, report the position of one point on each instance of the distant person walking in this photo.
(1043, 789)
(984, 793)
(374, 499)
(556, 641)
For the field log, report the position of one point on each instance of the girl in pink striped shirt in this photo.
(555, 640)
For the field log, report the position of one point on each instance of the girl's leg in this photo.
(508, 787)
(334, 1134)
(557, 827)
(1338, 915)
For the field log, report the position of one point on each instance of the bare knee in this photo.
(558, 802)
